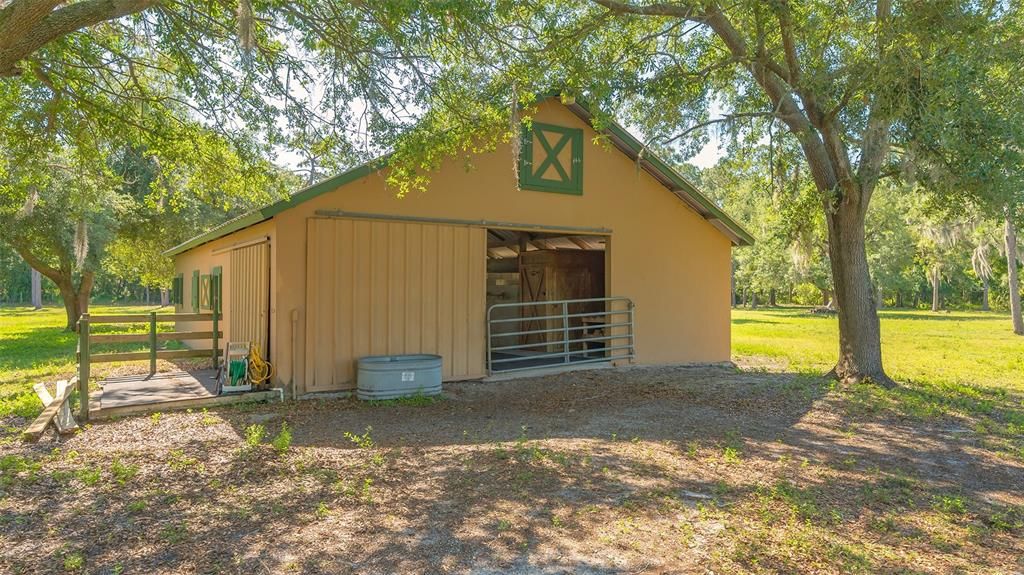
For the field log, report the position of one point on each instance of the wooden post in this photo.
(215, 342)
(83, 368)
(152, 342)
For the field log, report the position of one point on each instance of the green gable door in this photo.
(551, 159)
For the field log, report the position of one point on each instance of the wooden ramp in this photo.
(142, 393)
(141, 389)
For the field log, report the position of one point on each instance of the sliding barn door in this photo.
(384, 288)
(249, 312)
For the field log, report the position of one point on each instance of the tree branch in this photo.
(820, 155)
(22, 15)
(877, 133)
(725, 118)
(788, 44)
(659, 9)
(54, 274)
(24, 35)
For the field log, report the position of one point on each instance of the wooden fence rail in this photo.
(160, 317)
(153, 337)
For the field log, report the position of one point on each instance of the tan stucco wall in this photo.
(663, 255)
(203, 259)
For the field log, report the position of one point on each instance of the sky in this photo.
(709, 154)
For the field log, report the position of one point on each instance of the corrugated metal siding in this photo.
(379, 287)
(249, 313)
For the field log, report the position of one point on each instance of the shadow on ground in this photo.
(604, 471)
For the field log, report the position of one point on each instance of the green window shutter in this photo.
(215, 287)
(195, 291)
(551, 159)
(205, 292)
(179, 289)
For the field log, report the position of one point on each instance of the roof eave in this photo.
(267, 212)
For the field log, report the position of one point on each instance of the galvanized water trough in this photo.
(395, 376)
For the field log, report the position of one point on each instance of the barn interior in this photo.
(535, 284)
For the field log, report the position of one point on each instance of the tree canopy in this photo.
(857, 100)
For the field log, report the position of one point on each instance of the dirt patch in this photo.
(637, 470)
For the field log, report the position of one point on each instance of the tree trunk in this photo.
(37, 289)
(165, 298)
(860, 347)
(753, 299)
(899, 298)
(71, 304)
(771, 297)
(84, 293)
(935, 279)
(76, 300)
(845, 190)
(732, 284)
(145, 292)
(824, 298)
(1011, 265)
(984, 294)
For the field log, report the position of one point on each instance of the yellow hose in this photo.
(260, 370)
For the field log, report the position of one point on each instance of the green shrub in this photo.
(283, 440)
(254, 435)
(807, 294)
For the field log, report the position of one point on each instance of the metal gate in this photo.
(561, 332)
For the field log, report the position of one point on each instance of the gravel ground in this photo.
(633, 470)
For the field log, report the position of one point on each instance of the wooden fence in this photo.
(153, 337)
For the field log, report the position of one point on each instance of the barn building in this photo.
(600, 253)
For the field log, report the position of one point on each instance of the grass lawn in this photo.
(764, 469)
(974, 348)
(35, 348)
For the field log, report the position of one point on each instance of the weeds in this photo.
(254, 435)
(283, 440)
(322, 511)
(174, 534)
(123, 473)
(416, 400)
(74, 561)
(363, 441)
(362, 491)
(1007, 519)
(951, 505)
(207, 418)
(181, 462)
(88, 475)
